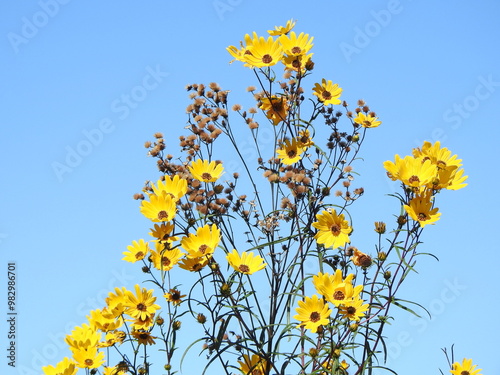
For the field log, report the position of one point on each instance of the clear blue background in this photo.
(429, 69)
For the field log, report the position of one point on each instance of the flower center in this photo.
(162, 215)
(314, 316)
(296, 50)
(296, 63)
(441, 164)
(267, 59)
(365, 261)
(89, 362)
(206, 176)
(413, 179)
(291, 153)
(351, 310)
(465, 373)
(165, 261)
(422, 217)
(335, 229)
(203, 248)
(338, 295)
(277, 105)
(326, 95)
(244, 268)
(141, 307)
(139, 255)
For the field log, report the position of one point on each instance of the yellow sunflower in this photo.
(254, 365)
(333, 229)
(247, 264)
(65, 367)
(143, 323)
(367, 120)
(88, 358)
(313, 312)
(263, 52)
(137, 251)
(297, 63)
(305, 139)
(203, 243)
(144, 337)
(174, 186)
(239, 53)
(420, 209)
(335, 289)
(159, 207)
(415, 173)
(204, 171)
(276, 108)
(439, 156)
(111, 338)
(193, 264)
(162, 233)
(449, 174)
(119, 369)
(327, 92)
(393, 167)
(174, 296)
(103, 320)
(281, 30)
(294, 45)
(165, 259)
(465, 368)
(354, 309)
(116, 301)
(83, 337)
(141, 304)
(290, 152)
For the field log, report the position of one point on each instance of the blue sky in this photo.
(86, 83)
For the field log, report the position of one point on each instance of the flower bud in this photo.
(402, 220)
(313, 352)
(387, 275)
(380, 227)
(382, 255)
(225, 290)
(201, 318)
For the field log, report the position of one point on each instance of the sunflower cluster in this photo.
(127, 315)
(316, 315)
(425, 173)
(249, 244)
(290, 49)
